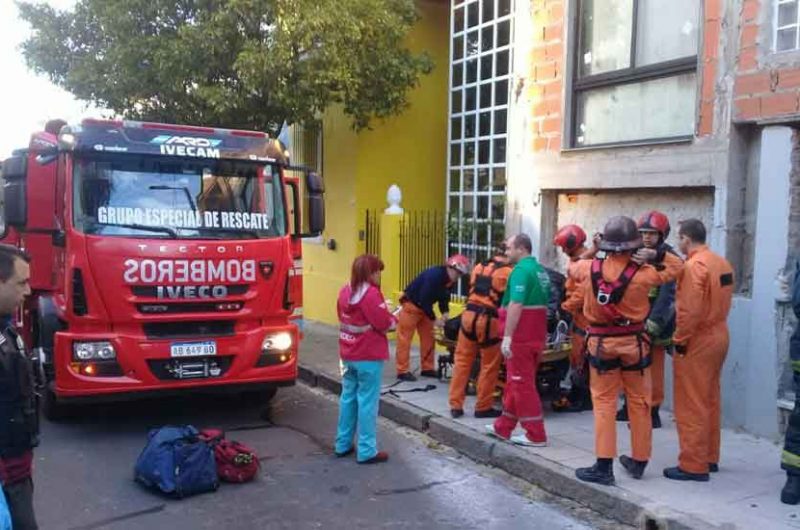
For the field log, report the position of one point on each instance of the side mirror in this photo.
(47, 156)
(14, 193)
(316, 205)
(314, 183)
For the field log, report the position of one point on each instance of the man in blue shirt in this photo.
(416, 314)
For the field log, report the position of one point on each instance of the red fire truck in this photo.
(165, 258)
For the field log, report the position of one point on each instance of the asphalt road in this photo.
(84, 477)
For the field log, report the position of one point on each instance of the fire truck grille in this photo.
(194, 368)
(188, 330)
(201, 307)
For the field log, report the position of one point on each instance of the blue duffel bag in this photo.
(177, 463)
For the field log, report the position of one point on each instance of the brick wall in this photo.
(762, 92)
(712, 29)
(547, 73)
(547, 70)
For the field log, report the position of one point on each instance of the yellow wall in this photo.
(408, 150)
(324, 270)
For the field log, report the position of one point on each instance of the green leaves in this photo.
(249, 64)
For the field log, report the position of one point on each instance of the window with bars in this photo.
(787, 25)
(305, 145)
(480, 74)
(635, 68)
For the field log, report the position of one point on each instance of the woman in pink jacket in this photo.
(364, 321)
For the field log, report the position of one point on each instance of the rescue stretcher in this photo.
(552, 368)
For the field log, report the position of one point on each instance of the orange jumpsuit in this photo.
(486, 340)
(628, 349)
(579, 322)
(704, 299)
(411, 319)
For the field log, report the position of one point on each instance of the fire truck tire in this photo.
(259, 397)
(52, 409)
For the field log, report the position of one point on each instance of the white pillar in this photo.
(771, 242)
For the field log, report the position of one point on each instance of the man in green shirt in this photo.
(524, 317)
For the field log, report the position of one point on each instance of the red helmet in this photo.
(570, 237)
(655, 221)
(459, 262)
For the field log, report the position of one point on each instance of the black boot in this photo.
(790, 494)
(600, 473)
(656, 417)
(676, 473)
(622, 414)
(635, 468)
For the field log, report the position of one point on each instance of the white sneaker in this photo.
(521, 439)
(491, 432)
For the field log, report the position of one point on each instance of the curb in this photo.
(559, 480)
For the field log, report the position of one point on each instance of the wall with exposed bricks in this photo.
(548, 71)
(695, 166)
(767, 84)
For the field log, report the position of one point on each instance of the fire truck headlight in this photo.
(277, 342)
(93, 351)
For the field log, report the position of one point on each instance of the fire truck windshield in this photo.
(153, 197)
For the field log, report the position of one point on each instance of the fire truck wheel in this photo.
(259, 397)
(52, 409)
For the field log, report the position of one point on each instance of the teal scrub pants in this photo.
(358, 405)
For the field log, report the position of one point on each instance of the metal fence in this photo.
(423, 238)
(371, 232)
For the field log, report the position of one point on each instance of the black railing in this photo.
(423, 238)
(371, 232)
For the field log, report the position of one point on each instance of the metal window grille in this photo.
(481, 59)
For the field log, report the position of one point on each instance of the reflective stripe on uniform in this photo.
(530, 418)
(349, 328)
(796, 366)
(790, 459)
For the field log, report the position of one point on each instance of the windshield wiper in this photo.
(251, 233)
(184, 189)
(164, 229)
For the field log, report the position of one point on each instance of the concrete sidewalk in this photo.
(744, 494)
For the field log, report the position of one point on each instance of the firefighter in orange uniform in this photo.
(660, 324)
(431, 286)
(571, 240)
(705, 291)
(614, 298)
(480, 331)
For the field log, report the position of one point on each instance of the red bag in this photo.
(235, 461)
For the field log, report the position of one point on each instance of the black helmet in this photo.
(620, 234)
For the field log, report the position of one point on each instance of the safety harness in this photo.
(483, 288)
(485, 299)
(609, 295)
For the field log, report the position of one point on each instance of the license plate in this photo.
(193, 349)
